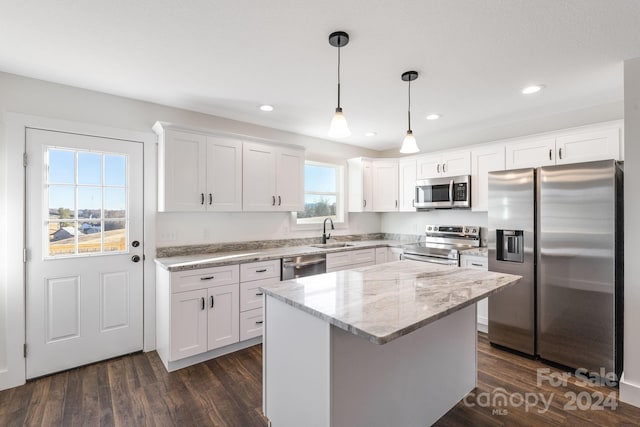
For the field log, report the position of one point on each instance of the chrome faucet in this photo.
(324, 230)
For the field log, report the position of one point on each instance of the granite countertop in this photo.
(483, 251)
(192, 262)
(384, 302)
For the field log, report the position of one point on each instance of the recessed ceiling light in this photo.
(433, 116)
(532, 89)
(370, 133)
(266, 107)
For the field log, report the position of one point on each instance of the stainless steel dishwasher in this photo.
(302, 266)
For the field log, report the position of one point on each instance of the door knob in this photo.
(135, 258)
(135, 243)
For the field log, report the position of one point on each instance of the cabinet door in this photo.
(188, 324)
(382, 255)
(588, 146)
(483, 161)
(182, 171)
(223, 303)
(251, 324)
(407, 191)
(224, 175)
(290, 180)
(428, 167)
(385, 185)
(258, 177)
(456, 163)
(530, 153)
(367, 186)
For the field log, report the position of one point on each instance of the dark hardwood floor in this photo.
(136, 390)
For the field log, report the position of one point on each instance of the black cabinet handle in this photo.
(211, 301)
(202, 300)
(273, 201)
(279, 200)
(477, 265)
(550, 153)
(259, 322)
(364, 203)
(560, 153)
(202, 198)
(264, 270)
(208, 278)
(210, 198)
(259, 294)
(438, 167)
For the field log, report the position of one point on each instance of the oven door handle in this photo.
(451, 191)
(429, 259)
(302, 264)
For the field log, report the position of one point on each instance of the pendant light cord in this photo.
(409, 110)
(338, 76)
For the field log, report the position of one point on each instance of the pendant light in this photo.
(339, 127)
(409, 144)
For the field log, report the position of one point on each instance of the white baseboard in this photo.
(629, 392)
(202, 357)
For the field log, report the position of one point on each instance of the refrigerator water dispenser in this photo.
(510, 245)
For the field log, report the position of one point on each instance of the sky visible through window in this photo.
(319, 179)
(62, 171)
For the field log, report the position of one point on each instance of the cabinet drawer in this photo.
(204, 278)
(250, 295)
(477, 262)
(259, 270)
(363, 256)
(338, 259)
(250, 324)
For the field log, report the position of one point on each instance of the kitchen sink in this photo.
(332, 245)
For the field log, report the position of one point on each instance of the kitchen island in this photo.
(392, 344)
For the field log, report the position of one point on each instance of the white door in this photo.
(84, 270)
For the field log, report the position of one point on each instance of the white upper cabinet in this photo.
(598, 142)
(224, 175)
(531, 153)
(273, 178)
(197, 172)
(450, 163)
(407, 181)
(587, 146)
(385, 183)
(360, 185)
(484, 160)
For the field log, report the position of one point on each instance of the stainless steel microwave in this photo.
(443, 193)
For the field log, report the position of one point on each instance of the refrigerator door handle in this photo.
(451, 191)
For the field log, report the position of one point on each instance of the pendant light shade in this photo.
(339, 127)
(409, 144)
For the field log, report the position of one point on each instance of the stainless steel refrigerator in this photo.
(561, 228)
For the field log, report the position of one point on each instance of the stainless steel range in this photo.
(443, 244)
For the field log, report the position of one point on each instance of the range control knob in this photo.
(429, 228)
(474, 230)
(466, 230)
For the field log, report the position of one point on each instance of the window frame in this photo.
(342, 218)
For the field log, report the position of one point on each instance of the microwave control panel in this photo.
(460, 192)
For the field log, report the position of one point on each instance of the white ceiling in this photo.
(226, 57)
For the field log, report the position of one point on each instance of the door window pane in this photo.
(89, 168)
(89, 237)
(62, 203)
(115, 236)
(61, 238)
(115, 200)
(61, 167)
(89, 202)
(115, 170)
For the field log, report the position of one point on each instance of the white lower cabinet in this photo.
(337, 261)
(388, 254)
(205, 313)
(479, 263)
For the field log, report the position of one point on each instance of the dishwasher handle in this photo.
(302, 264)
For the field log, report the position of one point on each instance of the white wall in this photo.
(52, 101)
(630, 384)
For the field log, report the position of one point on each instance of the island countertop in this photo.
(384, 302)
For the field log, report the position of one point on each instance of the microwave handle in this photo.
(451, 191)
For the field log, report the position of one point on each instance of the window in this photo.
(323, 193)
(87, 199)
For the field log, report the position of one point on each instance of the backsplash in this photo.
(171, 251)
